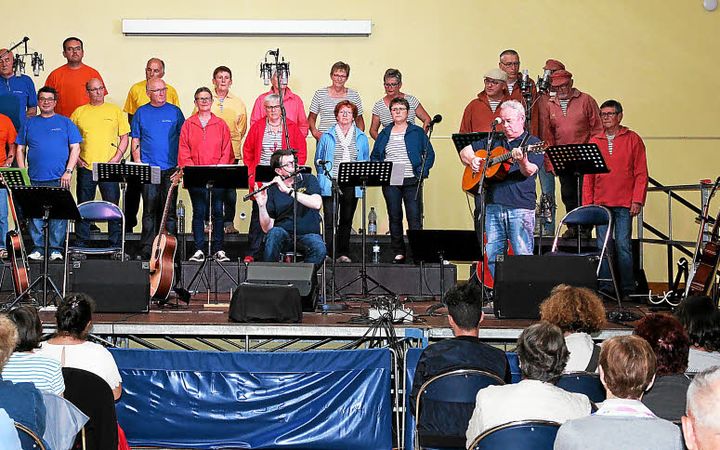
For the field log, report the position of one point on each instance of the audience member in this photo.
(442, 421)
(8, 433)
(70, 346)
(543, 354)
(701, 424)
(671, 345)
(578, 312)
(627, 370)
(701, 319)
(24, 364)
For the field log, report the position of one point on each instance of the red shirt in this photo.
(207, 146)
(294, 108)
(8, 134)
(252, 149)
(627, 181)
(577, 126)
(478, 115)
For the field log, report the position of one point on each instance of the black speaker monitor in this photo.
(298, 275)
(116, 286)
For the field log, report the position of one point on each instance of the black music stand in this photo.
(14, 177)
(444, 245)
(577, 160)
(222, 176)
(46, 203)
(364, 174)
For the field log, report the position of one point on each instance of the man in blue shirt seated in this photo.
(445, 424)
(276, 211)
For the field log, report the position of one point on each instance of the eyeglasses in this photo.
(272, 107)
(391, 85)
(339, 75)
(398, 109)
(97, 89)
(345, 113)
(73, 49)
(493, 82)
(203, 99)
(45, 99)
(6, 60)
(608, 114)
(510, 64)
(288, 164)
(157, 90)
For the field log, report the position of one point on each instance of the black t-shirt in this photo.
(280, 207)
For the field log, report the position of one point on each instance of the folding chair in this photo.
(522, 434)
(28, 437)
(582, 383)
(99, 211)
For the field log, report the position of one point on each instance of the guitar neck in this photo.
(166, 211)
(504, 157)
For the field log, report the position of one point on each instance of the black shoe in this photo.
(399, 259)
(94, 228)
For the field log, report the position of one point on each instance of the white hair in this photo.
(513, 105)
(703, 397)
(270, 98)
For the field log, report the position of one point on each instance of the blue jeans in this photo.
(229, 202)
(255, 233)
(200, 198)
(3, 217)
(503, 223)
(279, 240)
(395, 196)
(622, 250)
(547, 186)
(85, 191)
(154, 197)
(56, 228)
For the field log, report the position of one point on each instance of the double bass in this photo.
(16, 249)
(162, 256)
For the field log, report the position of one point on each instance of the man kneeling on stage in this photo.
(276, 211)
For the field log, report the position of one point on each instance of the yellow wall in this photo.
(652, 56)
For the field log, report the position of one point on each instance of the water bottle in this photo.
(376, 252)
(372, 222)
(181, 216)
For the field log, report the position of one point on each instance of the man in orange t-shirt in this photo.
(8, 135)
(70, 79)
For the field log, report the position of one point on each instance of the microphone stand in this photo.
(421, 179)
(336, 193)
(481, 218)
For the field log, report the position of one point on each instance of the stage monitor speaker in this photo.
(298, 275)
(266, 303)
(523, 282)
(116, 286)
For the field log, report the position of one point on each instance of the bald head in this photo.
(701, 425)
(6, 63)
(155, 68)
(96, 91)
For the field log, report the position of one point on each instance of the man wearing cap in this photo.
(571, 117)
(510, 64)
(481, 111)
(622, 190)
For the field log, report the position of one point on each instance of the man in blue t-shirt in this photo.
(18, 99)
(510, 203)
(276, 211)
(52, 145)
(155, 133)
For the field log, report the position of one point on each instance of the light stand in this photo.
(36, 59)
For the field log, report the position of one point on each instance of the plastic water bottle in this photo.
(376, 252)
(180, 210)
(372, 222)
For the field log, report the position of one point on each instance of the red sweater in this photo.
(478, 115)
(627, 180)
(207, 146)
(252, 149)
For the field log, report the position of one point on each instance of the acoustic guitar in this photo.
(16, 249)
(498, 165)
(707, 264)
(162, 256)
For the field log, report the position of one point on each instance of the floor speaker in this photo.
(298, 275)
(265, 303)
(523, 282)
(116, 286)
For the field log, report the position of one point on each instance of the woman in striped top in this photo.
(392, 81)
(325, 99)
(343, 142)
(403, 143)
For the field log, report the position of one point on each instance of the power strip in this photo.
(398, 314)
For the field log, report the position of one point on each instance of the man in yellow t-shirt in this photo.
(104, 128)
(155, 68)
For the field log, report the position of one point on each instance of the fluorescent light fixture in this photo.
(221, 27)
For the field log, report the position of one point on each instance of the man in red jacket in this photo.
(622, 190)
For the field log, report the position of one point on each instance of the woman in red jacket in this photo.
(205, 141)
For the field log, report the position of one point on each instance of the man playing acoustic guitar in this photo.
(510, 210)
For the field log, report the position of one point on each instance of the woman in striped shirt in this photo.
(325, 99)
(343, 142)
(403, 143)
(392, 81)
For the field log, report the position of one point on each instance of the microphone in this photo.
(524, 80)
(265, 72)
(37, 63)
(544, 82)
(496, 122)
(437, 118)
(323, 162)
(274, 52)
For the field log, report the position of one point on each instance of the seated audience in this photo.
(22, 401)
(70, 346)
(543, 354)
(701, 424)
(27, 366)
(578, 312)
(8, 434)
(627, 370)
(671, 344)
(701, 319)
(464, 351)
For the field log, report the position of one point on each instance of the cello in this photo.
(162, 256)
(16, 249)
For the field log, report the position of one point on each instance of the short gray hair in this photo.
(703, 396)
(271, 98)
(514, 105)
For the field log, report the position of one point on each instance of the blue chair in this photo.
(456, 389)
(100, 211)
(582, 383)
(518, 435)
(590, 215)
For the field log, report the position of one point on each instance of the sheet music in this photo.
(397, 176)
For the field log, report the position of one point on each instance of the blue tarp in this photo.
(308, 400)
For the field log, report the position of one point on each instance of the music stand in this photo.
(364, 174)
(577, 160)
(14, 177)
(46, 203)
(444, 245)
(221, 176)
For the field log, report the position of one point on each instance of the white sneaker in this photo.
(220, 256)
(56, 256)
(199, 256)
(35, 256)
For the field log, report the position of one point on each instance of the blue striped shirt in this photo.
(45, 373)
